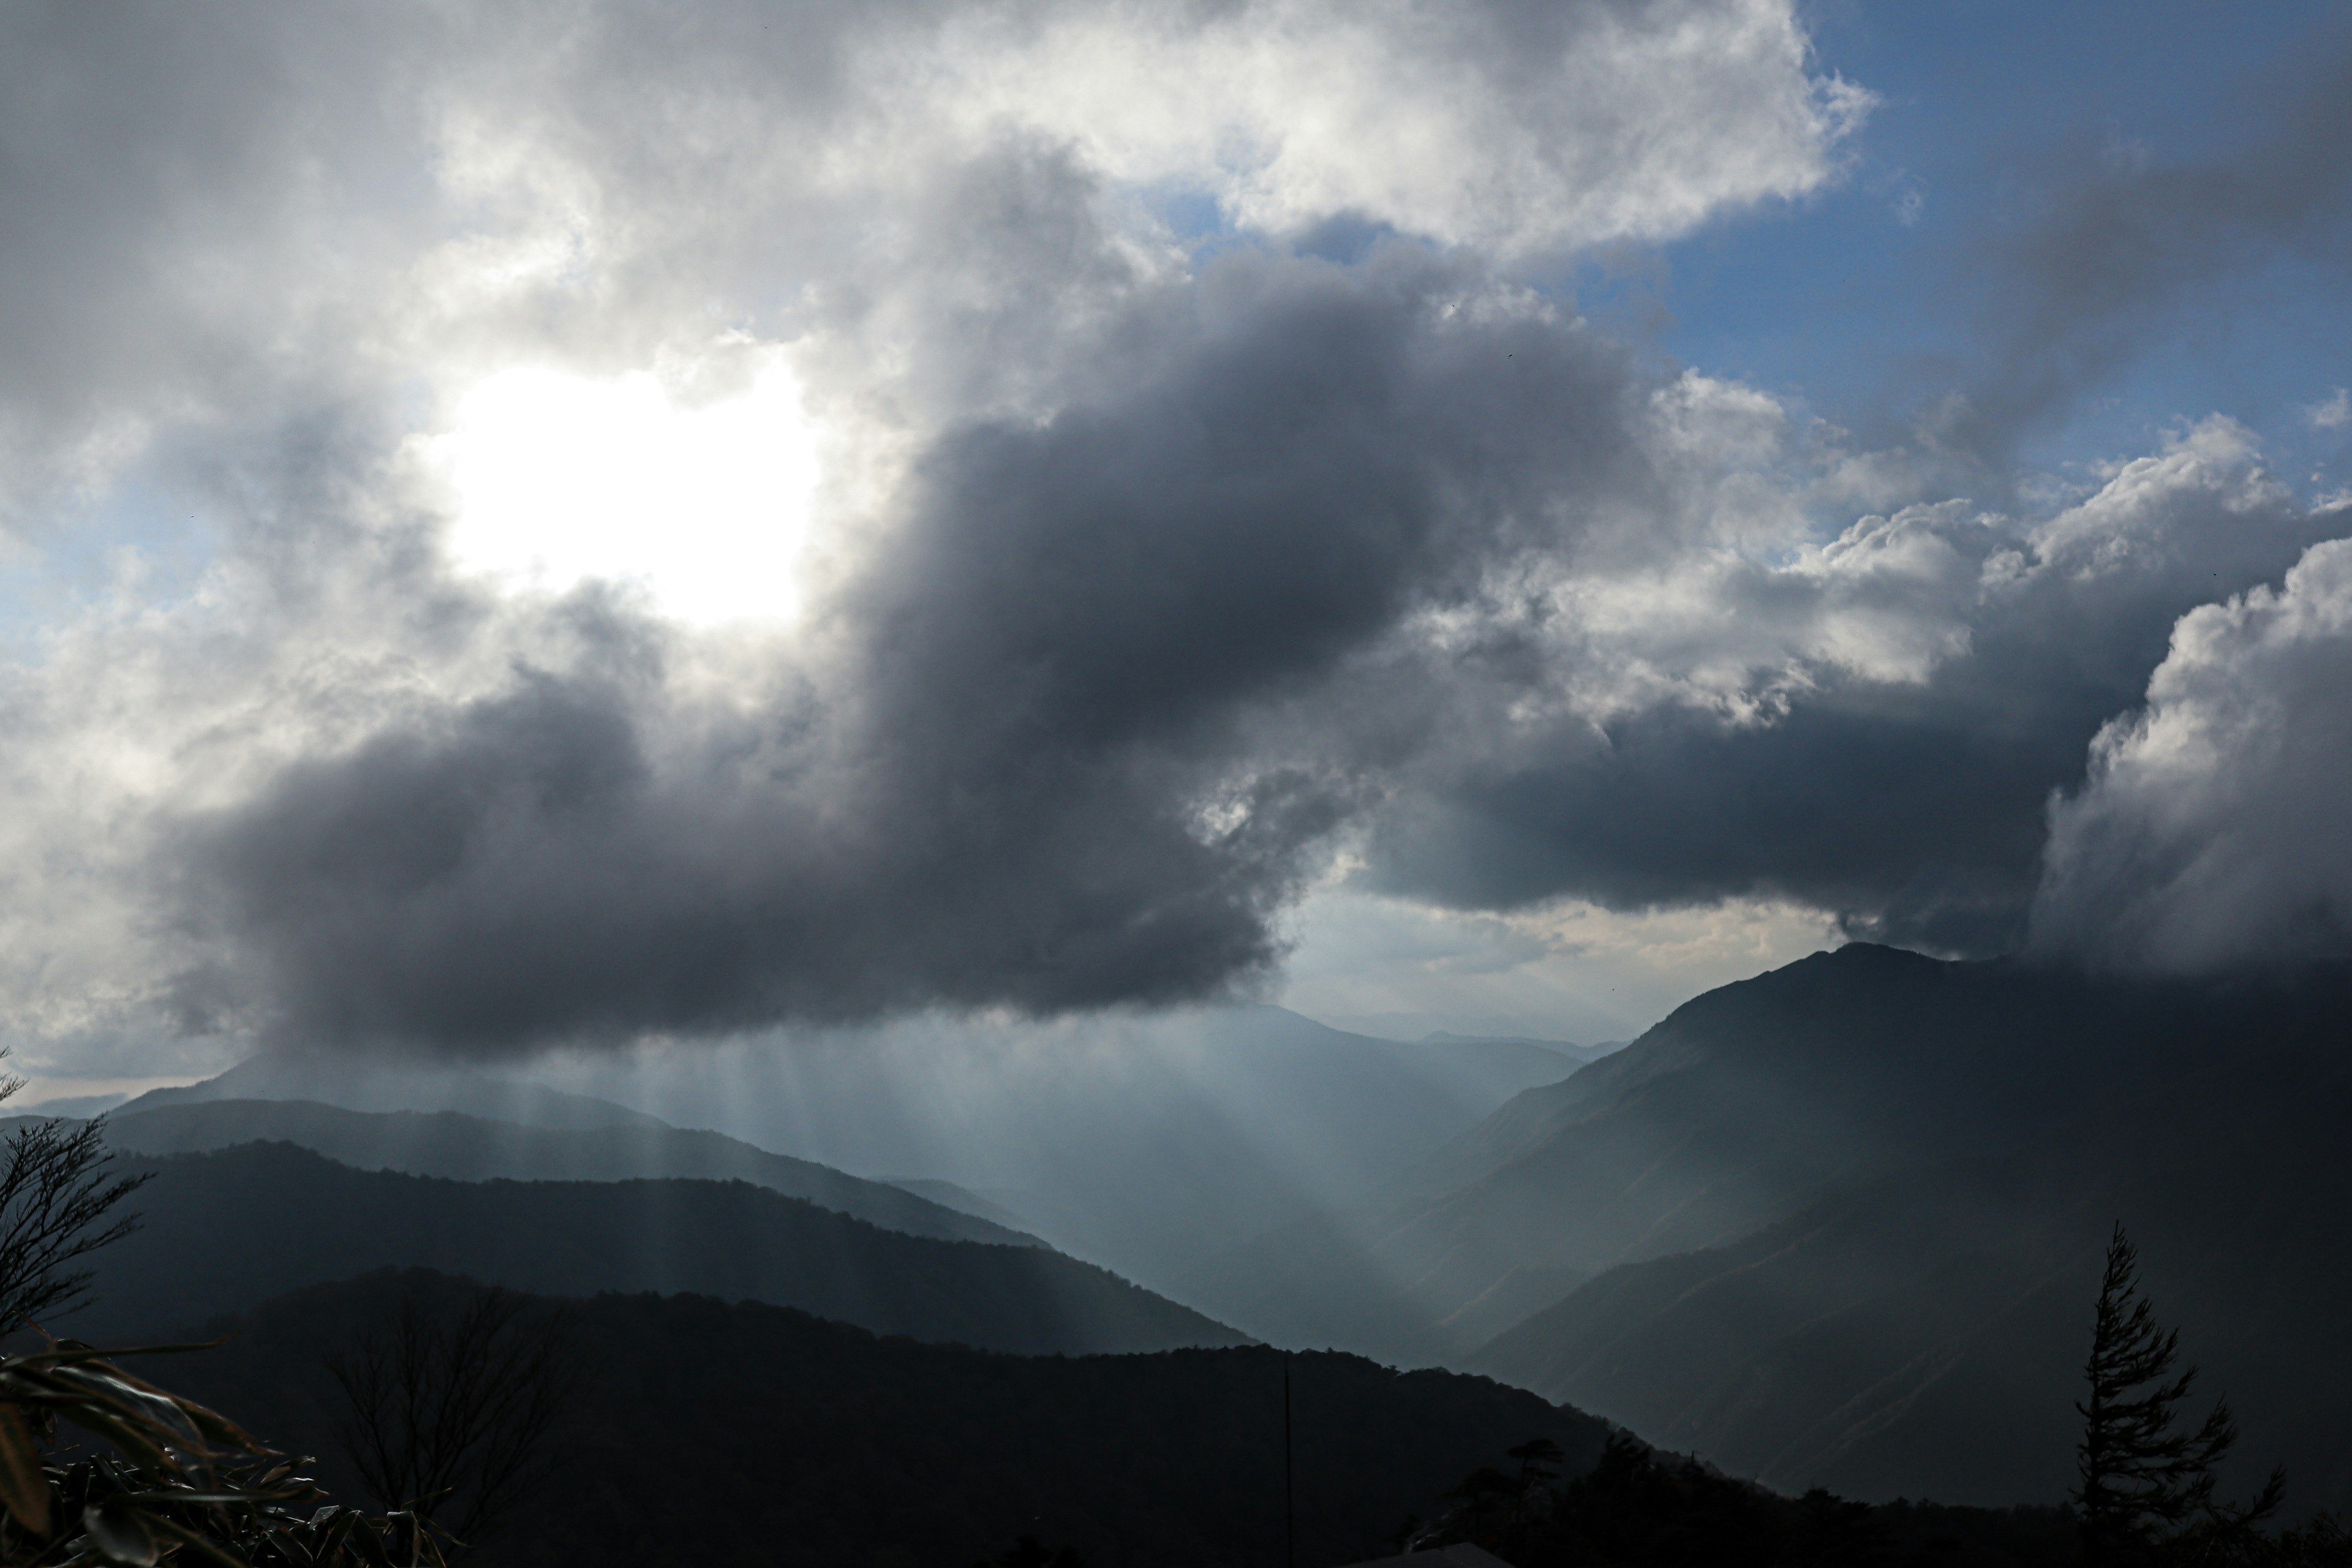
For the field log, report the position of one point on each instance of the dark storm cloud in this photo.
(1894, 808)
(1022, 784)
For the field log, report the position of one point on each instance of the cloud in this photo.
(2332, 413)
(1147, 571)
(1873, 728)
(186, 206)
(1510, 126)
(1589, 973)
(1090, 512)
(2209, 832)
(1017, 774)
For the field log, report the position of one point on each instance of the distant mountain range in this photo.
(357, 1082)
(476, 1148)
(713, 1433)
(1149, 1144)
(228, 1229)
(1841, 1223)
(1143, 1145)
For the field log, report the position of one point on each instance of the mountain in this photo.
(474, 1149)
(75, 1106)
(1737, 1109)
(1924, 1329)
(225, 1230)
(357, 1082)
(1840, 1225)
(754, 1433)
(1579, 1056)
(1146, 1144)
(963, 1200)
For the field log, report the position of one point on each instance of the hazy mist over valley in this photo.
(1090, 783)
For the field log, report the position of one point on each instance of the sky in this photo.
(576, 523)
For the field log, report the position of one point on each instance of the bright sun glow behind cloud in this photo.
(558, 479)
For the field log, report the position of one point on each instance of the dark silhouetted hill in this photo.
(228, 1229)
(473, 1149)
(1924, 1329)
(1746, 1105)
(1840, 1225)
(752, 1434)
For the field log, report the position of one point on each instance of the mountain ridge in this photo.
(738, 1433)
(356, 1082)
(1916, 1324)
(472, 1148)
(226, 1229)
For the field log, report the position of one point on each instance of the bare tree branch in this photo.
(57, 1192)
(452, 1417)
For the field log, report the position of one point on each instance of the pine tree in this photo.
(2141, 1480)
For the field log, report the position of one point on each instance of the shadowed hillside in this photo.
(473, 1149)
(1746, 1105)
(225, 1230)
(1923, 1330)
(751, 1433)
(1840, 1225)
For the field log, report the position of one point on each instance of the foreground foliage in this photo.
(177, 1482)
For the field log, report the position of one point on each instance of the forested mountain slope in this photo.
(1922, 1331)
(1746, 1105)
(751, 1433)
(473, 1149)
(225, 1230)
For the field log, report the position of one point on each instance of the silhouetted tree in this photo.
(452, 1417)
(2141, 1478)
(58, 1192)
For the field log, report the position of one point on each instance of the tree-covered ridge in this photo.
(229, 1229)
(1912, 1323)
(711, 1432)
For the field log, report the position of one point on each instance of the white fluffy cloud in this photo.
(2210, 832)
(1513, 127)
